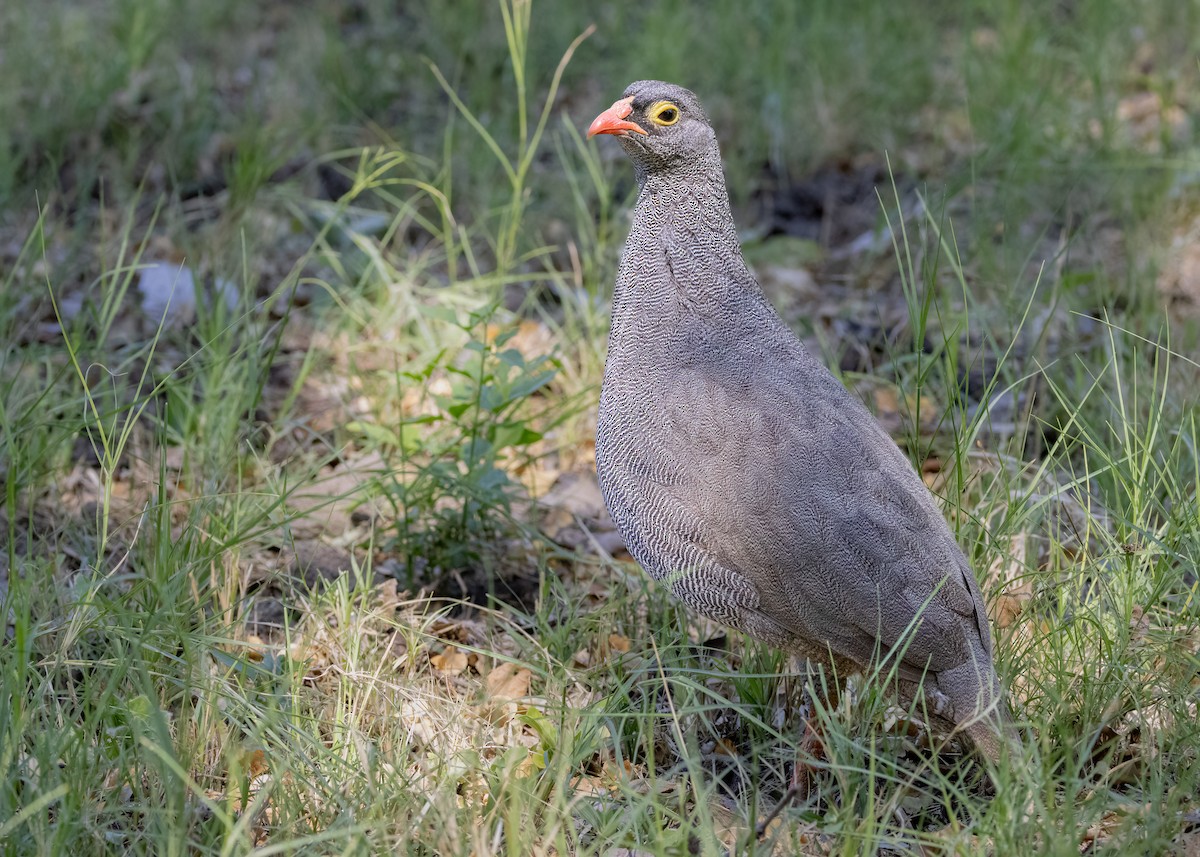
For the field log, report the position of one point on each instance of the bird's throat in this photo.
(682, 266)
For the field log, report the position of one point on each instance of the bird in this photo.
(744, 476)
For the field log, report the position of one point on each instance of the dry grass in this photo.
(307, 556)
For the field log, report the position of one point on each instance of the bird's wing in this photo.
(797, 489)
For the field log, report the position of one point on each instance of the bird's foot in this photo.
(798, 790)
(800, 785)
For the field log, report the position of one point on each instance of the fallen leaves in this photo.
(451, 660)
(1187, 843)
(895, 413)
(618, 643)
(508, 681)
(1009, 575)
(614, 645)
(1108, 829)
(1143, 121)
(443, 698)
(574, 516)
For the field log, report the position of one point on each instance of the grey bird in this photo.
(744, 476)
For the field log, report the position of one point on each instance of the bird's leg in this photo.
(810, 747)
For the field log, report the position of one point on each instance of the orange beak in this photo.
(612, 120)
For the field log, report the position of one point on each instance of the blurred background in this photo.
(303, 310)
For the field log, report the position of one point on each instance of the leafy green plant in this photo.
(452, 493)
(146, 478)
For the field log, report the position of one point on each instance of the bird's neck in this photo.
(692, 192)
(683, 253)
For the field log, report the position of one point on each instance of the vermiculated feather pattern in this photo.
(743, 474)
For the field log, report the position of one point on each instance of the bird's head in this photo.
(660, 126)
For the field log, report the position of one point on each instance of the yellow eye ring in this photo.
(663, 113)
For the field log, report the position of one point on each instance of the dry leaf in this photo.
(573, 515)
(532, 339)
(508, 681)
(1139, 625)
(896, 414)
(1101, 830)
(254, 763)
(530, 765)
(725, 747)
(389, 594)
(1009, 570)
(618, 643)
(589, 785)
(450, 661)
(887, 402)
(255, 653)
(1187, 844)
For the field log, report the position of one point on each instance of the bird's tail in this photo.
(979, 709)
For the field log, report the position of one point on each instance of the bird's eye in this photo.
(664, 113)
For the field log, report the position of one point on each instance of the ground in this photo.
(302, 319)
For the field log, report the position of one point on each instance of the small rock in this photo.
(316, 562)
(168, 292)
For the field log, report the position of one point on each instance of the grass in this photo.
(272, 579)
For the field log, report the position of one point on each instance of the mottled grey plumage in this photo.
(745, 476)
